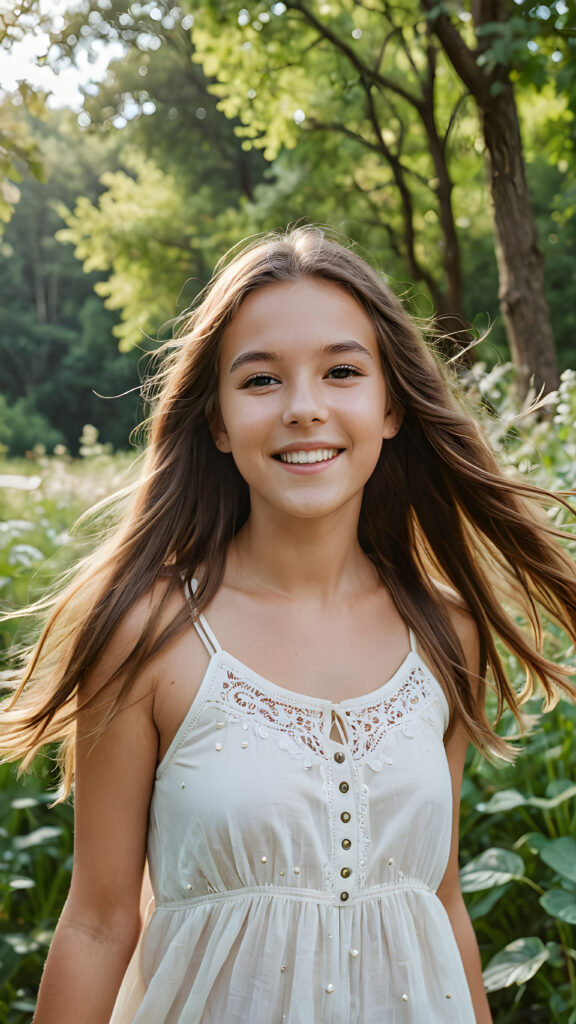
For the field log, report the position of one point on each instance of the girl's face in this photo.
(303, 401)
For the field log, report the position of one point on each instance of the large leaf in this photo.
(515, 964)
(493, 867)
(560, 904)
(507, 799)
(560, 855)
(482, 906)
(39, 837)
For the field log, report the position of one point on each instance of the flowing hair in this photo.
(436, 510)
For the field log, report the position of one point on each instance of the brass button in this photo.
(346, 872)
(339, 757)
(344, 816)
(346, 844)
(344, 896)
(343, 787)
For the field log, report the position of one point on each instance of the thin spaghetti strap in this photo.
(199, 622)
(412, 641)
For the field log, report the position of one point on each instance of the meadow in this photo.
(518, 835)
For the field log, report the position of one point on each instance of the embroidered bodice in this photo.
(294, 874)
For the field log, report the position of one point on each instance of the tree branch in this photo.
(459, 54)
(360, 66)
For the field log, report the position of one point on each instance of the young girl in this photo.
(273, 668)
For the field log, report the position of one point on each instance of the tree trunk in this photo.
(520, 262)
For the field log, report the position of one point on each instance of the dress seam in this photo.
(306, 896)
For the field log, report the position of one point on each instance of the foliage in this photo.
(35, 865)
(38, 502)
(18, 149)
(518, 832)
(21, 426)
(521, 889)
(161, 221)
(56, 351)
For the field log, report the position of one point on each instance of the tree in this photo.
(162, 218)
(57, 351)
(374, 79)
(485, 67)
(303, 61)
(18, 150)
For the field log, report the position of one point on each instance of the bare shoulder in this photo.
(146, 619)
(464, 624)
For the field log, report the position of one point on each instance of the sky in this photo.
(21, 62)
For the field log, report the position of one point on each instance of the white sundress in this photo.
(294, 876)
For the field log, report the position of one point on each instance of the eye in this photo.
(259, 380)
(343, 372)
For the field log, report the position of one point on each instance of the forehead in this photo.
(305, 312)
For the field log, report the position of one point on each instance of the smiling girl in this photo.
(268, 677)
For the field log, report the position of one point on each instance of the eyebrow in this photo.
(337, 348)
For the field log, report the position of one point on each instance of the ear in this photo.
(219, 433)
(392, 422)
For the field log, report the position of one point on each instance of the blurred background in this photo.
(138, 143)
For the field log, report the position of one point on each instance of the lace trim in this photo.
(370, 727)
(299, 726)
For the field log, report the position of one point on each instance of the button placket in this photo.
(345, 853)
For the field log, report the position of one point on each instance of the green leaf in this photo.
(23, 802)
(560, 855)
(534, 840)
(493, 867)
(37, 838)
(560, 904)
(515, 964)
(502, 801)
(22, 883)
(483, 906)
(507, 799)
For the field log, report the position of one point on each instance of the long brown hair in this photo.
(436, 509)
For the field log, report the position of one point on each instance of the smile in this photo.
(303, 457)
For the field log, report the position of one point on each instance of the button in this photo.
(339, 757)
(354, 952)
(346, 844)
(343, 787)
(329, 988)
(344, 896)
(345, 816)
(346, 872)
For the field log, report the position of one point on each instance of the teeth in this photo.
(318, 455)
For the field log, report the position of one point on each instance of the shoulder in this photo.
(136, 640)
(463, 623)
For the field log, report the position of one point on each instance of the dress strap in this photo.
(412, 641)
(200, 625)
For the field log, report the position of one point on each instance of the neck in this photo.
(310, 559)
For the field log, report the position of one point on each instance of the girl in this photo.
(272, 670)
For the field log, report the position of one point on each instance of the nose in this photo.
(304, 404)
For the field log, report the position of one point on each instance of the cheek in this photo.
(367, 415)
(247, 424)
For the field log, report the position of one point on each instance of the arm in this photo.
(449, 891)
(99, 925)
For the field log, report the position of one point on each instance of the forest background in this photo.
(441, 138)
